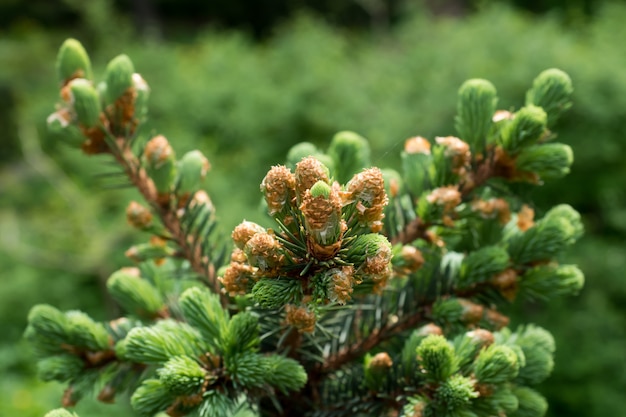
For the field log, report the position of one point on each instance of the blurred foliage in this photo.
(244, 104)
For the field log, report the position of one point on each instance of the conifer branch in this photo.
(358, 349)
(189, 248)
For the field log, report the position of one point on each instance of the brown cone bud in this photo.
(244, 231)
(525, 218)
(138, 216)
(417, 144)
(308, 172)
(367, 189)
(279, 187)
(449, 197)
(301, 318)
(263, 251)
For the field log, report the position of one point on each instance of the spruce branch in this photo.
(189, 245)
(367, 343)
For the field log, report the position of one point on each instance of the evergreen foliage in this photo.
(353, 266)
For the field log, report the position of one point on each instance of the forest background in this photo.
(243, 81)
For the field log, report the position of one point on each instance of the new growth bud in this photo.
(135, 294)
(476, 106)
(161, 166)
(436, 357)
(548, 161)
(371, 253)
(119, 77)
(85, 101)
(72, 62)
(309, 171)
(192, 169)
(551, 90)
(527, 128)
(321, 208)
(496, 364)
(350, 154)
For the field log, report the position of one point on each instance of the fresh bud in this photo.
(548, 281)
(151, 397)
(182, 375)
(72, 62)
(531, 403)
(192, 169)
(371, 253)
(161, 164)
(573, 217)
(436, 357)
(277, 292)
(300, 151)
(526, 128)
(350, 154)
(538, 347)
(119, 77)
(86, 103)
(134, 294)
(321, 208)
(455, 394)
(59, 368)
(475, 108)
(551, 90)
(481, 265)
(48, 322)
(84, 332)
(542, 242)
(496, 364)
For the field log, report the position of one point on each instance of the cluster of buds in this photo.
(326, 246)
(88, 114)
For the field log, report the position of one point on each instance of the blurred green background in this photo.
(244, 80)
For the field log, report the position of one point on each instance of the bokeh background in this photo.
(244, 80)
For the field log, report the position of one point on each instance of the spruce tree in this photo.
(374, 292)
